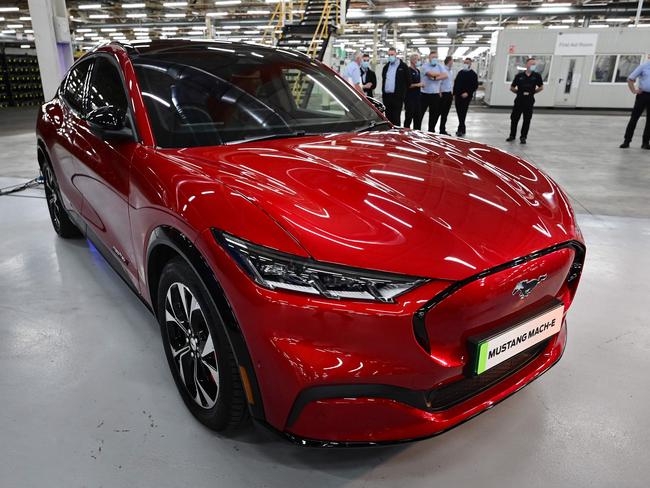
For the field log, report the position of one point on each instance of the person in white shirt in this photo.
(432, 75)
(352, 73)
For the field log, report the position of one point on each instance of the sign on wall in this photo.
(575, 44)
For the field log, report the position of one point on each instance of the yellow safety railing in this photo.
(321, 33)
(284, 11)
(275, 24)
(322, 29)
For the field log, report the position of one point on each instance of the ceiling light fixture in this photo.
(398, 12)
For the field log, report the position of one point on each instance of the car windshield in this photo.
(212, 95)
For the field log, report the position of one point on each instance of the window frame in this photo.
(550, 66)
(129, 116)
(612, 81)
(62, 87)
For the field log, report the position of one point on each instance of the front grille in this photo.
(458, 391)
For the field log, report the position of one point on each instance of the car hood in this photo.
(399, 201)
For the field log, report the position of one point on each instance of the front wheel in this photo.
(58, 214)
(197, 348)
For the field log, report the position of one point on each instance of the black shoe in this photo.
(460, 134)
(510, 139)
(625, 145)
(444, 133)
(522, 140)
(645, 146)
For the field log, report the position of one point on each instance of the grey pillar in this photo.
(53, 42)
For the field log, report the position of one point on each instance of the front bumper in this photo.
(347, 373)
(367, 421)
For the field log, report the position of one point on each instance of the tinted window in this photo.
(210, 96)
(603, 69)
(106, 86)
(74, 86)
(626, 64)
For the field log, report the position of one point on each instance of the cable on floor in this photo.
(21, 187)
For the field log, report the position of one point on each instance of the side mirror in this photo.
(108, 123)
(378, 105)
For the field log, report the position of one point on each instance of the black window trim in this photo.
(129, 108)
(91, 57)
(62, 88)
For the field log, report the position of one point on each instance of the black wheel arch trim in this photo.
(179, 243)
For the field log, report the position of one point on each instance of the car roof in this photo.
(171, 46)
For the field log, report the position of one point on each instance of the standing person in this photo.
(446, 98)
(432, 74)
(352, 73)
(526, 84)
(413, 94)
(465, 84)
(368, 77)
(395, 81)
(642, 102)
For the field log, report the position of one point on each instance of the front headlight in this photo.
(277, 270)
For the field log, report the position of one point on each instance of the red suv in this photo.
(341, 280)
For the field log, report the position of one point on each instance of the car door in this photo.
(104, 167)
(66, 116)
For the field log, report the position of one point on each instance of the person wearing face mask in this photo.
(639, 84)
(412, 105)
(432, 75)
(446, 98)
(525, 85)
(352, 72)
(368, 77)
(395, 82)
(465, 84)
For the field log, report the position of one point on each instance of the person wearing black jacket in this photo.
(412, 104)
(526, 84)
(396, 80)
(368, 77)
(465, 84)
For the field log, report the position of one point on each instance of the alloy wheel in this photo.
(192, 345)
(52, 196)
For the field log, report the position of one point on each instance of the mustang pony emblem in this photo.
(524, 287)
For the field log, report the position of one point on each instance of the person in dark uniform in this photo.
(446, 97)
(396, 79)
(465, 84)
(368, 77)
(413, 95)
(525, 85)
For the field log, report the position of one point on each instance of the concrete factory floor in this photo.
(87, 398)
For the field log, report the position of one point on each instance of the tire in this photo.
(198, 351)
(61, 221)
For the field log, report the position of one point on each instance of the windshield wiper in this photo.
(280, 135)
(373, 125)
